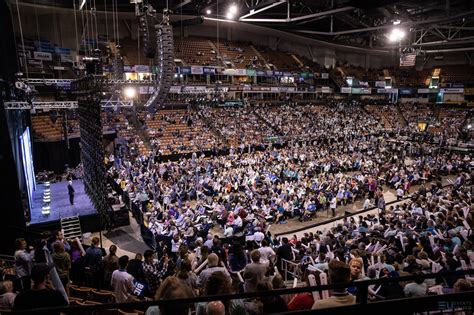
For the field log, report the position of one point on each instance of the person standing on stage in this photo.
(71, 191)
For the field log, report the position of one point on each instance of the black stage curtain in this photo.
(13, 221)
(53, 156)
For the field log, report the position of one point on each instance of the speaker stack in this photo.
(88, 91)
(165, 61)
(158, 45)
(147, 24)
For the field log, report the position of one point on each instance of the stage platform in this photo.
(60, 206)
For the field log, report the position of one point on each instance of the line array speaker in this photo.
(165, 62)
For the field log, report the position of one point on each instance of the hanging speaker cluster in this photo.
(158, 43)
(147, 25)
(165, 63)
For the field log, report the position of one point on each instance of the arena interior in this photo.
(231, 157)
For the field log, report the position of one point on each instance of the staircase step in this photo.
(71, 227)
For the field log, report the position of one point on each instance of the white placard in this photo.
(39, 55)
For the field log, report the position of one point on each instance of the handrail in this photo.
(284, 267)
(445, 304)
(361, 285)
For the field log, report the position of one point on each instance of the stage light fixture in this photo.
(396, 35)
(396, 22)
(208, 11)
(233, 9)
(229, 15)
(130, 92)
(82, 4)
(469, 126)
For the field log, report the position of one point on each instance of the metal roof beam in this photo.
(388, 26)
(296, 19)
(253, 12)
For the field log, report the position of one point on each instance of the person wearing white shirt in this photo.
(258, 235)
(229, 231)
(267, 254)
(400, 193)
(175, 244)
(122, 281)
(333, 205)
(366, 204)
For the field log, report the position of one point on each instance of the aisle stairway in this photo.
(140, 130)
(400, 116)
(220, 60)
(260, 56)
(71, 227)
(213, 129)
(266, 122)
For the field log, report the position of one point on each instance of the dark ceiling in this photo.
(429, 24)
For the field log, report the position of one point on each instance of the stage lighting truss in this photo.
(65, 105)
(49, 82)
(67, 82)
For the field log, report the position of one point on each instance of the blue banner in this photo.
(185, 70)
(208, 70)
(62, 51)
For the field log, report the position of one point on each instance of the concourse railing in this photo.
(452, 303)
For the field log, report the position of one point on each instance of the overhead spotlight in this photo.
(208, 11)
(229, 15)
(469, 126)
(396, 22)
(396, 35)
(233, 9)
(130, 92)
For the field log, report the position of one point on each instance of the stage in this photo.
(60, 206)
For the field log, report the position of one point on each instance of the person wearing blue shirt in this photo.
(93, 260)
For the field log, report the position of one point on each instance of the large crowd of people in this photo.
(210, 217)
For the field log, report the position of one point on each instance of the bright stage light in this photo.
(396, 35)
(233, 9)
(208, 11)
(229, 15)
(130, 92)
